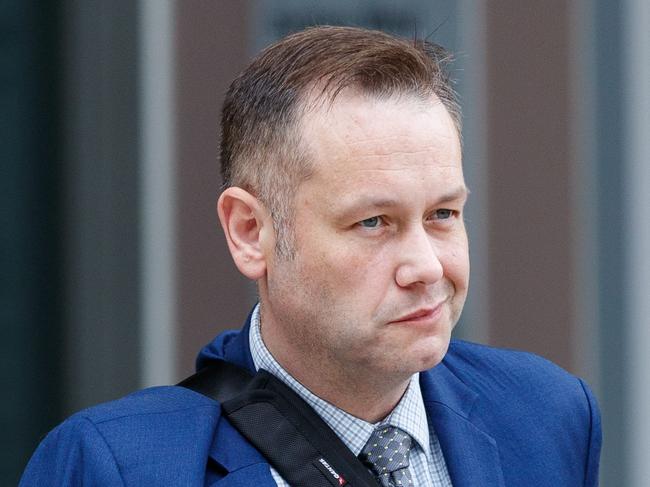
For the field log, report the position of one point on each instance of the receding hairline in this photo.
(346, 57)
(318, 100)
(314, 111)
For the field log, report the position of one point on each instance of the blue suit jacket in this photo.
(503, 418)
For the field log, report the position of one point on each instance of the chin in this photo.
(430, 355)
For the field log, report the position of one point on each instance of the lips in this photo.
(420, 314)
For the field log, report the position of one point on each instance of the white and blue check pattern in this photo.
(427, 464)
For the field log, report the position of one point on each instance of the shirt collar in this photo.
(409, 415)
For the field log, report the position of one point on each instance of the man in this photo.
(341, 155)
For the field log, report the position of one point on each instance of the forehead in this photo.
(360, 133)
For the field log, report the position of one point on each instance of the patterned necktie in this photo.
(387, 456)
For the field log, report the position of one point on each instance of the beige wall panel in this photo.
(212, 45)
(528, 133)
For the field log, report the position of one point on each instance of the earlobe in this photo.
(243, 218)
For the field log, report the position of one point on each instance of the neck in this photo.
(357, 396)
(368, 396)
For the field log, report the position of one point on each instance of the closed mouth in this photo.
(421, 314)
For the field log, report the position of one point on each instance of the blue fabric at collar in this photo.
(231, 346)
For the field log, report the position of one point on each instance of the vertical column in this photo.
(471, 62)
(636, 55)
(158, 201)
(613, 311)
(30, 217)
(583, 197)
(100, 135)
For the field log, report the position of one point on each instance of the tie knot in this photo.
(386, 453)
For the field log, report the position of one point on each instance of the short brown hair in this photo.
(261, 150)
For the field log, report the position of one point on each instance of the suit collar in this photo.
(470, 453)
(440, 385)
(231, 346)
(238, 351)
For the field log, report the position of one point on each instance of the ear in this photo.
(248, 227)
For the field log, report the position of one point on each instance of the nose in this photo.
(419, 260)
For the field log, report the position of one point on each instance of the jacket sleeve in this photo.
(73, 454)
(595, 440)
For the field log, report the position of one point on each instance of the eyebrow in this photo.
(459, 193)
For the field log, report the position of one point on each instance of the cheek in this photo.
(456, 262)
(352, 272)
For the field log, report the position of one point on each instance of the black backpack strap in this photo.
(282, 426)
(220, 381)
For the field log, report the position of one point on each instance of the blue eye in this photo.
(444, 214)
(372, 222)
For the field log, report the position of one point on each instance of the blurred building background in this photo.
(114, 270)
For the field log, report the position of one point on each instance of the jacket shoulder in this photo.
(523, 396)
(145, 403)
(515, 378)
(472, 360)
(130, 438)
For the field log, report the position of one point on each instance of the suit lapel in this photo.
(471, 454)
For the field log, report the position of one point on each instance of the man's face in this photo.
(381, 264)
